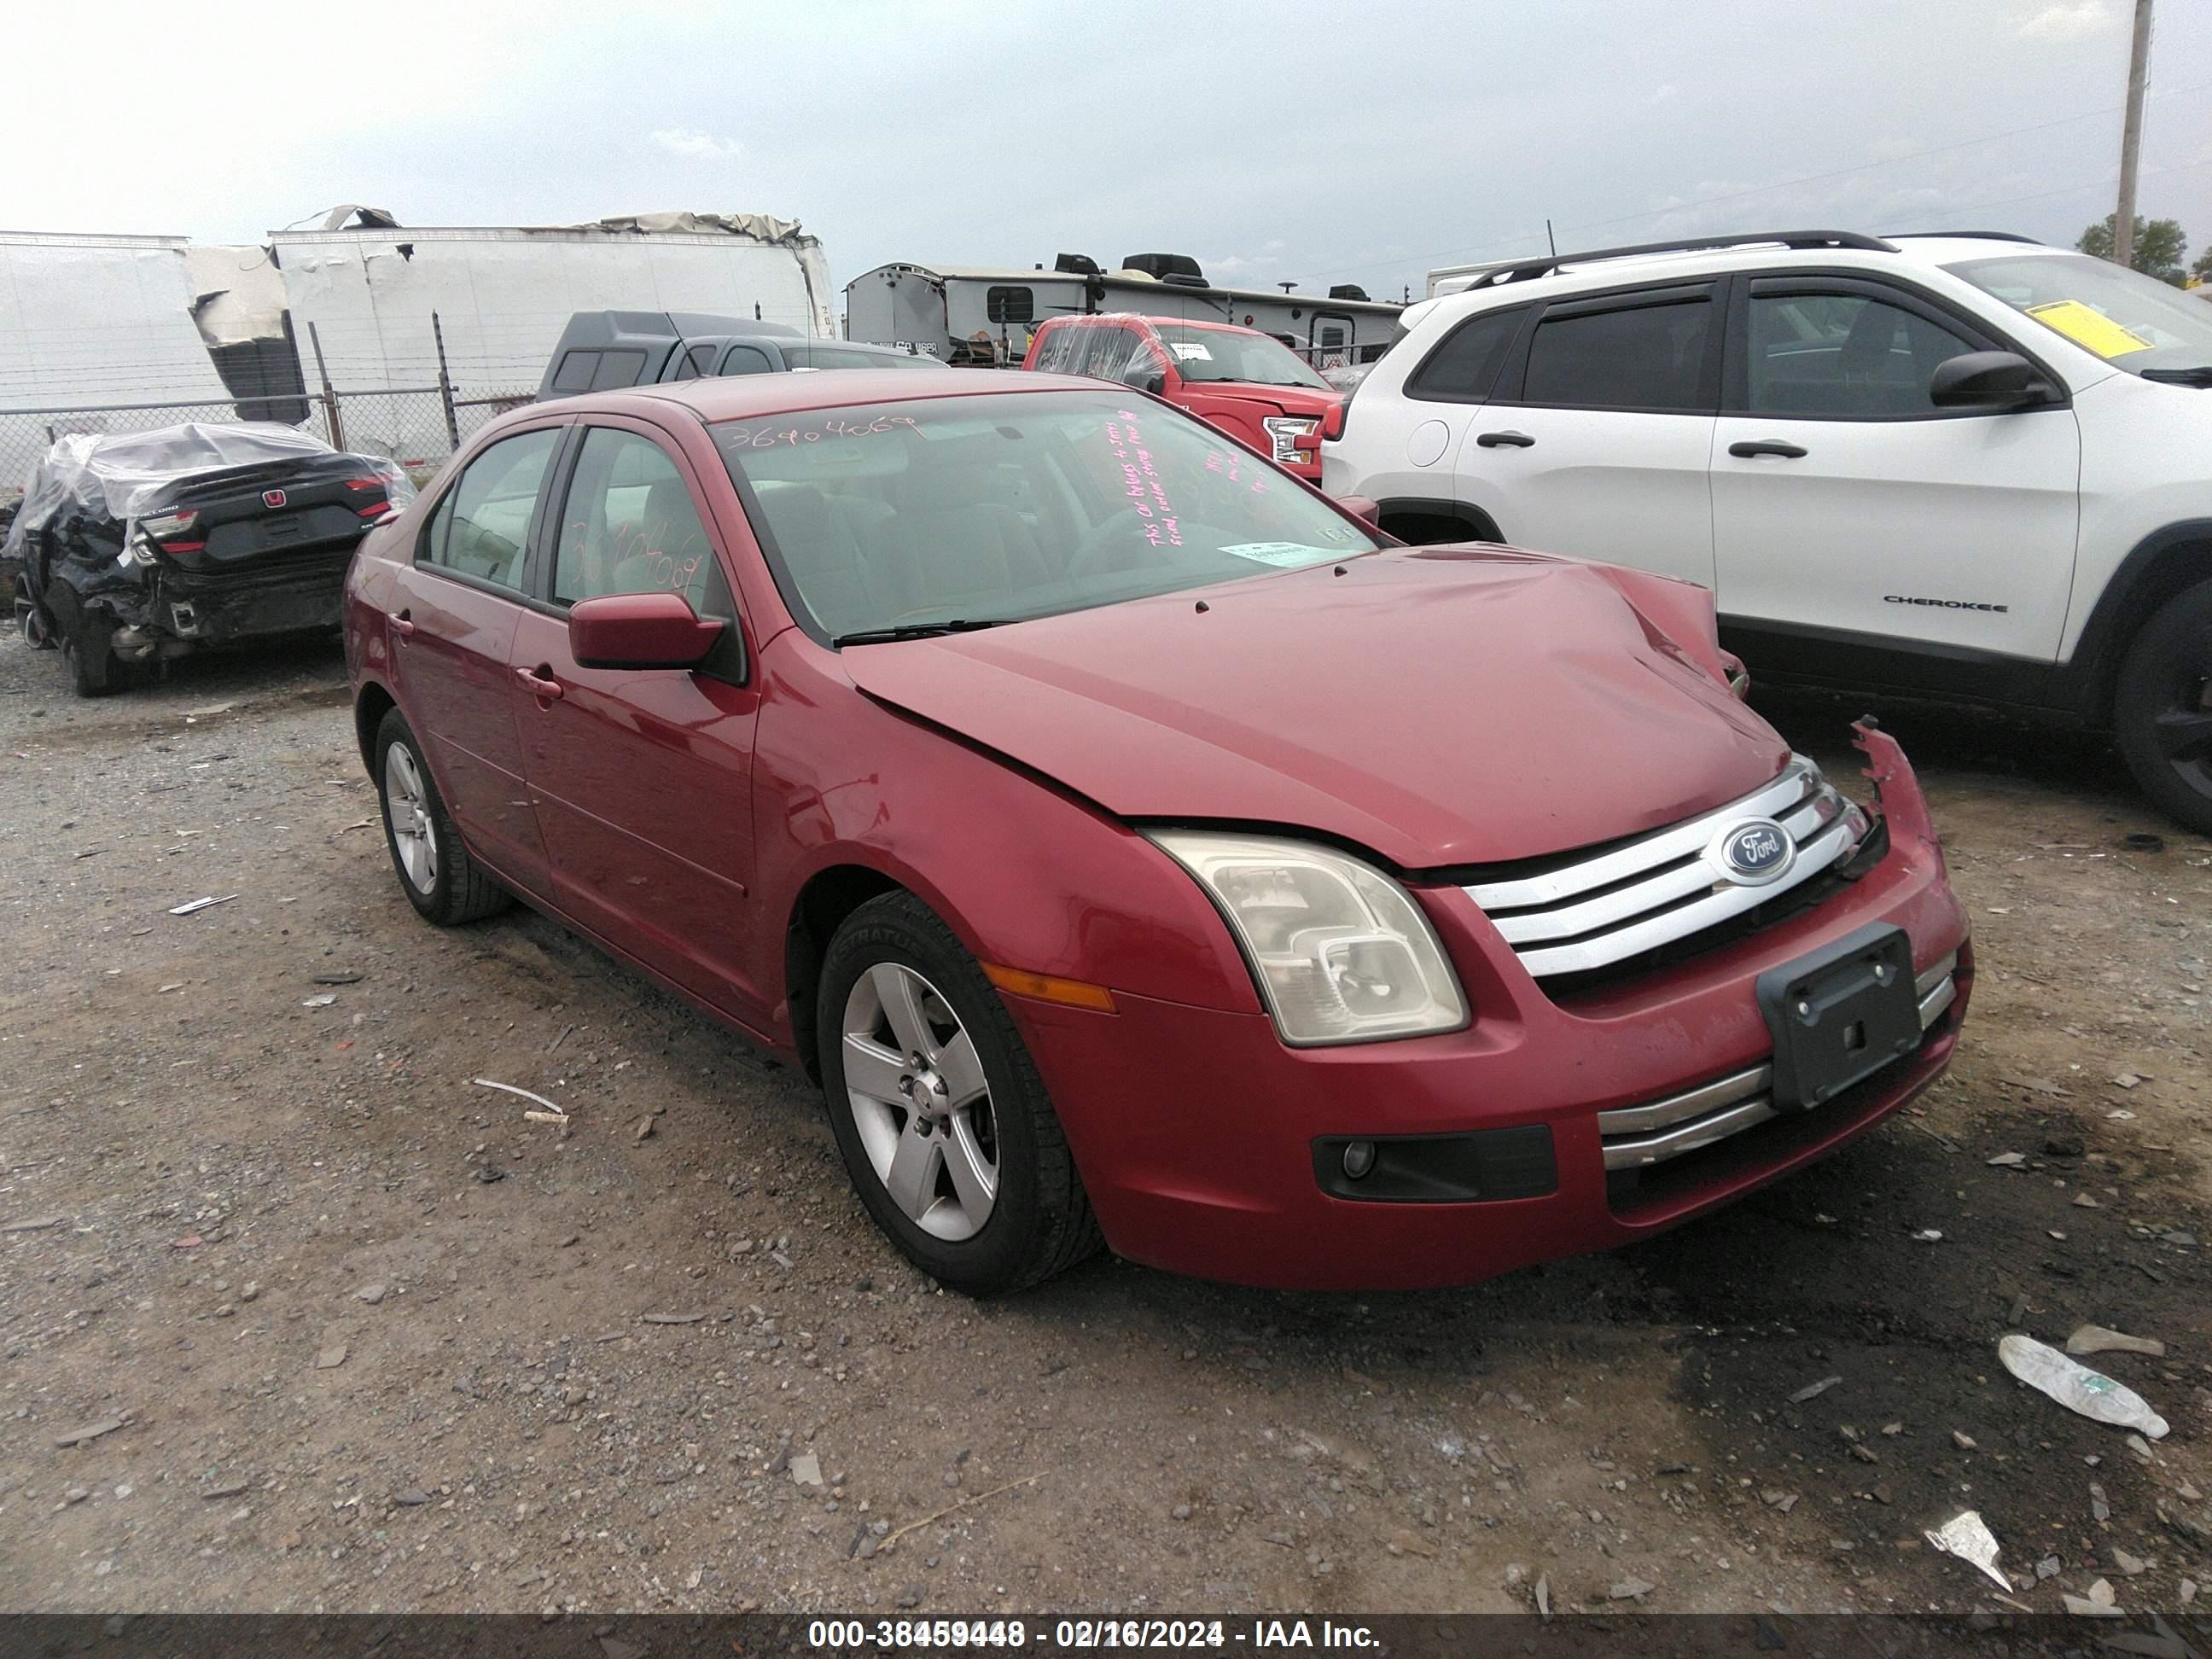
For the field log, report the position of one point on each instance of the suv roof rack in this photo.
(1974, 236)
(1527, 269)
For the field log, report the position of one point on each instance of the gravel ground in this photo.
(354, 1335)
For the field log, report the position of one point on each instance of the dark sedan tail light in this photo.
(162, 529)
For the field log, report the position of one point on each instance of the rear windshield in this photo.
(1219, 354)
(1003, 507)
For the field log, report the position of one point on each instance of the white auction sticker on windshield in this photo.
(1282, 553)
(1185, 350)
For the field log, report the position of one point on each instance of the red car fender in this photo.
(1028, 876)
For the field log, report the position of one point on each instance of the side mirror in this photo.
(1368, 511)
(1987, 379)
(1146, 378)
(640, 631)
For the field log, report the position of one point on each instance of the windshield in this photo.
(2133, 321)
(998, 507)
(1220, 354)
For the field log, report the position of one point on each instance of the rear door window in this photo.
(1637, 354)
(482, 527)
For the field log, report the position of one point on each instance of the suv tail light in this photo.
(1332, 424)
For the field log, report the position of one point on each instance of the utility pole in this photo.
(2124, 222)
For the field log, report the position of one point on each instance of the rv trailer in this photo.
(985, 317)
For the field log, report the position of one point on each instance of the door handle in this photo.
(401, 628)
(1505, 440)
(1765, 447)
(539, 683)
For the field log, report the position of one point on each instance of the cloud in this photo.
(1665, 94)
(697, 146)
(2066, 21)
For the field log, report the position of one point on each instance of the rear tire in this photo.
(94, 672)
(948, 1105)
(435, 871)
(2162, 708)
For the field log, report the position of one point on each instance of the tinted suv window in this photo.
(1649, 356)
(629, 526)
(1842, 355)
(482, 526)
(1464, 368)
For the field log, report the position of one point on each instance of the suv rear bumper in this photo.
(1203, 1140)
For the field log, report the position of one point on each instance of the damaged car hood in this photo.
(1436, 705)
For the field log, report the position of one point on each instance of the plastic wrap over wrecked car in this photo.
(130, 549)
(121, 475)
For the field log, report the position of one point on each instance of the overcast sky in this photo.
(1360, 141)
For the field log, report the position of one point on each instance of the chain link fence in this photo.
(415, 426)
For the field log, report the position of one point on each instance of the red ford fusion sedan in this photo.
(1139, 847)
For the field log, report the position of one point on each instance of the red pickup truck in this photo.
(1248, 384)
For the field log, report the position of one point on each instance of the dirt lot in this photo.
(374, 1342)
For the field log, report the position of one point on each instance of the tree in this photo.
(2159, 250)
(2203, 268)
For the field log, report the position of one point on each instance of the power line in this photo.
(1762, 190)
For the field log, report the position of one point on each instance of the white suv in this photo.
(1966, 465)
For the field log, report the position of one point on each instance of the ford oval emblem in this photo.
(1754, 853)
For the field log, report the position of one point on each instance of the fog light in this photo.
(1359, 1158)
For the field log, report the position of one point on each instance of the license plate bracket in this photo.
(1839, 1014)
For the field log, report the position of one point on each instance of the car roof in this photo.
(750, 397)
(1609, 269)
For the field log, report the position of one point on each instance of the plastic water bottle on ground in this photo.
(2077, 1387)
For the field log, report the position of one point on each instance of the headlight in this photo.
(1284, 432)
(1340, 952)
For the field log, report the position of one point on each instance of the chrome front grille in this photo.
(1635, 1136)
(1667, 885)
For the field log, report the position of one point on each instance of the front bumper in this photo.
(1196, 1129)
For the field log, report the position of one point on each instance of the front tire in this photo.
(435, 871)
(2162, 708)
(945, 1125)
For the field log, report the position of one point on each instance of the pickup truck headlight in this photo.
(1284, 432)
(1340, 951)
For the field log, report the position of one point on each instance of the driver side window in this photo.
(1843, 355)
(629, 526)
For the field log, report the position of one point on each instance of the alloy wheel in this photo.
(2182, 728)
(407, 810)
(920, 1101)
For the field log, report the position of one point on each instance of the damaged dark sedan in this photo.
(132, 549)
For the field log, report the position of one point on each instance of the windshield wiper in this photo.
(918, 630)
(2198, 375)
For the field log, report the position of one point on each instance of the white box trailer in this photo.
(91, 320)
(970, 315)
(366, 292)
